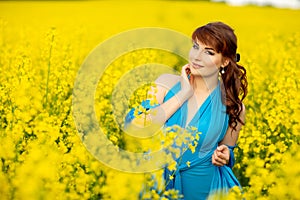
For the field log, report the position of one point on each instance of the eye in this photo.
(195, 46)
(211, 53)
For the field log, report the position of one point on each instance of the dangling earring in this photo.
(222, 71)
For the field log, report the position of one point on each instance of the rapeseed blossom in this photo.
(41, 152)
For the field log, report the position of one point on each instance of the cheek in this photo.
(210, 61)
(191, 54)
(216, 61)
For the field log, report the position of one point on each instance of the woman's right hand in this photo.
(186, 88)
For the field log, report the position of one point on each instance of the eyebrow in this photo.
(208, 48)
(195, 42)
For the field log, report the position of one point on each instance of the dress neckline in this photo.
(202, 106)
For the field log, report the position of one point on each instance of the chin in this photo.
(204, 74)
(196, 74)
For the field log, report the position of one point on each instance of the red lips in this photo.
(196, 66)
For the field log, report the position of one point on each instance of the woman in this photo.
(208, 95)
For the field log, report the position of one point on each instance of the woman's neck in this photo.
(201, 84)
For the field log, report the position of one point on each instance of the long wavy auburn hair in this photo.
(221, 37)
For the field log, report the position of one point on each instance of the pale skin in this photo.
(204, 65)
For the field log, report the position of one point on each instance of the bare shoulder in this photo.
(163, 84)
(167, 81)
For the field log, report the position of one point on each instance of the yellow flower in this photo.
(188, 163)
(172, 166)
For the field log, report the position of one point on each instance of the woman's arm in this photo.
(161, 113)
(224, 153)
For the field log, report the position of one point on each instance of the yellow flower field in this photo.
(43, 45)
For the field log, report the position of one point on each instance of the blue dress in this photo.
(200, 178)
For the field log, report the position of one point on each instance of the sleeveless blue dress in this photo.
(200, 178)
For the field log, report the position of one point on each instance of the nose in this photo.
(198, 55)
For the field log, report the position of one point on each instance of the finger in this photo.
(223, 152)
(224, 156)
(215, 162)
(222, 147)
(221, 155)
(220, 158)
(216, 158)
(185, 70)
(218, 163)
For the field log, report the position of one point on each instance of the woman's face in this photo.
(204, 60)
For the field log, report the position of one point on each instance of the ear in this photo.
(225, 62)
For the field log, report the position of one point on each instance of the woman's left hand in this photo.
(221, 156)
